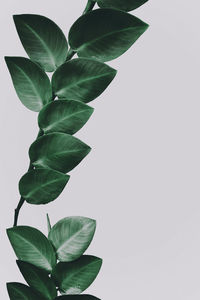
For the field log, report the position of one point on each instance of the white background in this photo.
(141, 180)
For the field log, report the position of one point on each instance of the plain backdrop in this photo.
(141, 180)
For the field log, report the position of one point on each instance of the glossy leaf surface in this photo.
(75, 277)
(42, 39)
(19, 291)
(31, 245)
(105, 34)
(30, 81)
(126, 5)
(38, 280)
(41, 186)
(64, 116)
(82, 79)
(58, 151)
(71, 237)
(77, 297)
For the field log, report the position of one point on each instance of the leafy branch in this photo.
(57, 263)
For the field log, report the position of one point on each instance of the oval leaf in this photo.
(30, 81)
(82, 79)
(77, 297)
(126, 5)
(75, 277)
(38, 280)
(72, 236)
(65, 116)
(105, 34)
(19, 291)
(43, 40)
(31, 245)
(41, 186)
(58, 151)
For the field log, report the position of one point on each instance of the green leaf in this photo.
(30, 81)
(82, 79)
(41, 186)
(126, 5)
(72, 236)
(32, 246)
(19, 291)
(38, 280)
(105, 34)
(66, 116)
(75, 277)
(77, 297)
(58, 151)
(43, 40)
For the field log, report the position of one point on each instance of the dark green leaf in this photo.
(82, 79)
(71, 237)
(75, 277)
(58, 151)
(77, 297)
(126, 5)
(43, 40)
(41, 186)
(31, 245)
(66, 116)
(38, 280)
(30, 81)
(19, 291)
(105, 34)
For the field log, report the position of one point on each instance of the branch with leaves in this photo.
(57, 264)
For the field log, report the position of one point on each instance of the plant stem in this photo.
(89, 6)
(22, 200)
(71, 53)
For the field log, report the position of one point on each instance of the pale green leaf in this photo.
(19, 291)
(82, 79)
(105, 34)
(30, 81)
(43, 40)
(75, 277)
(58, 151)
(31, 245)
(77, 297)
(38, 280)
(126, 5)
(72, 236)
(66, 116)
(41, 186)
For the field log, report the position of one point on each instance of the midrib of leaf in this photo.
(33, 246)
(19, 293)
(79, 271)
(43, 186)
(40, 161)
(104, 36)
(43, 44)
(82, 81)
(64, 119)
(71, 238)
(32, 84)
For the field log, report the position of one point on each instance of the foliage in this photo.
(57, 263)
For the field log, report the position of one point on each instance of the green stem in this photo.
(89, 6)
(71, 53)
(22, 200)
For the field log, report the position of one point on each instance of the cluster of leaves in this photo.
(55, 263)
(96, 37)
